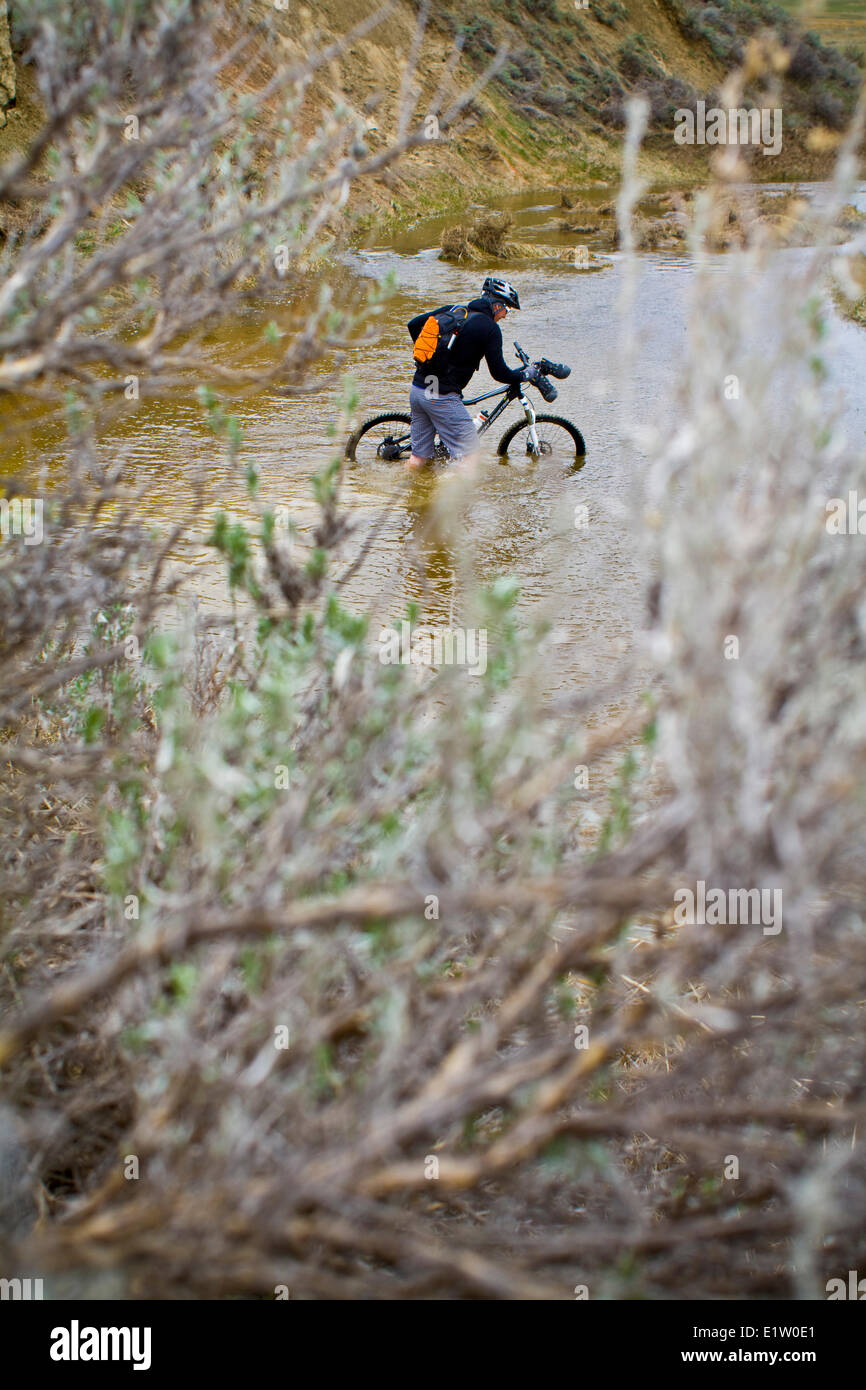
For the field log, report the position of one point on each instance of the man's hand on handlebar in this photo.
(534, 373)
(538, 372)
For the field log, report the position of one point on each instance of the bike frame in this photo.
(507, 394)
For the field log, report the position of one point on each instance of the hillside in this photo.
(555, 110)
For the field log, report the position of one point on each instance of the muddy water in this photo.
(521, 521)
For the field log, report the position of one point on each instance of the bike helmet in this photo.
(494, 288)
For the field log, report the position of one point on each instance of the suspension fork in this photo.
(530, 419)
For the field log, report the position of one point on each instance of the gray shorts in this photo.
(446, 416)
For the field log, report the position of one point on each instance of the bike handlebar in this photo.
(557, 369)
(545, 368)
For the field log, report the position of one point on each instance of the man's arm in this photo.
(496, 364)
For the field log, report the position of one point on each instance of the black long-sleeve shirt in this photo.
(479, 337)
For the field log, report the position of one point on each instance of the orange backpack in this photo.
(439, 331)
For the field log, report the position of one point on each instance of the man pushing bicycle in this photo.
(449, 345)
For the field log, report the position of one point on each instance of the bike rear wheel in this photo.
(383, 439)
(557, 437)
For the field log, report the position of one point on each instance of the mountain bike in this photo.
(383, 437)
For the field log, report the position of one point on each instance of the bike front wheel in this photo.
(384, 439)
(557, 438)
